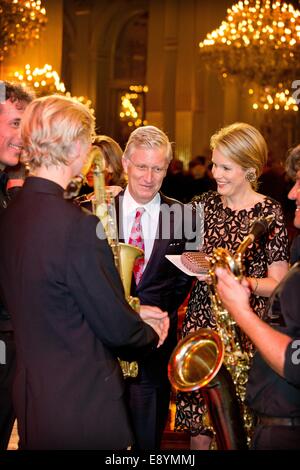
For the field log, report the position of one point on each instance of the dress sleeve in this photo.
(277, 242)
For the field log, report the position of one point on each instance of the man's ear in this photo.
(81, 149)
(75, 150)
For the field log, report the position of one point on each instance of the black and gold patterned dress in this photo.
(226, 228)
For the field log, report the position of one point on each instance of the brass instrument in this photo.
(216, 361)
(103, 205)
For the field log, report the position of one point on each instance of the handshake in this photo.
(157, 319)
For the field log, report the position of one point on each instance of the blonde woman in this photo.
(239, 153)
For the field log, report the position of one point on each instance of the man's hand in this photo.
(157, 319)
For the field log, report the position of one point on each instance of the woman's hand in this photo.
(157, 319)
(203, 277)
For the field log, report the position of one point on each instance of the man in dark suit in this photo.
(167, 227)
(13, 101)
(58, 280)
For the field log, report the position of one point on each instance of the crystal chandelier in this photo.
(132, 106)
(20, 21)
(259, 42)
(273, 99)
(44, 80)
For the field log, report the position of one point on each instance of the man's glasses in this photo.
(144, 168)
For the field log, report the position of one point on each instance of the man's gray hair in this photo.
(293, 162)
(148, 137)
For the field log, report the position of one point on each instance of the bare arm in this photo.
(270, 343)
(265, 286)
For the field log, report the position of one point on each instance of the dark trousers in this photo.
(149, 406)
(276, 438)
(7, 370)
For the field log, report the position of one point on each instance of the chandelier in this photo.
(273, 99)
(44, 80)
(20, 21)
(132, 106)
(259, 42)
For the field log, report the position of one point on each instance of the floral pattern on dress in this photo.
(226, 228)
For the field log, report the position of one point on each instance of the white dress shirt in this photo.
(149, 220)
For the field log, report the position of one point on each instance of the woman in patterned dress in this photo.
(239, 154)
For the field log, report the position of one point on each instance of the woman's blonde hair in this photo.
(50, 127)
(243, 144)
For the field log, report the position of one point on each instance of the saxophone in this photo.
(103, 205)
(216, 361)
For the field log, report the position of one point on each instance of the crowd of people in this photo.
(64, 318)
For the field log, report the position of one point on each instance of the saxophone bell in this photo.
(196, 360)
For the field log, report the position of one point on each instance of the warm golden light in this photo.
(270, 98)
(44, 78)
(83, 100)
(259, 43)
(132, 105)
(20, 22)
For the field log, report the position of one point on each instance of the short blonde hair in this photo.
(148, 137)
(243, 144)
(50, 126)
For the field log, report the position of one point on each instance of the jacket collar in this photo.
(3, 181)
(42, 185)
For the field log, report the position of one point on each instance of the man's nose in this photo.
(148, 175)
(18, 133)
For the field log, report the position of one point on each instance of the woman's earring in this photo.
(251, 175)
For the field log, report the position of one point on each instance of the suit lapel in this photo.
(119, 215)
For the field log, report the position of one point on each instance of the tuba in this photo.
(216, 361)
(103, 205)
